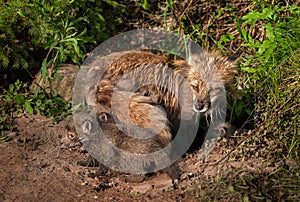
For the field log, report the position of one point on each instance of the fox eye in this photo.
(72, 136)
(195, 88)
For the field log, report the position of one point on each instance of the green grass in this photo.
(270, 90)
(274, 82)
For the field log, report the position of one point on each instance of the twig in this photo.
(43, 88)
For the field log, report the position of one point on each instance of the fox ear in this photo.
(194, 52)
(231, 61)
(86, 127)
(226, 67)
(235, 57)
(227, 64)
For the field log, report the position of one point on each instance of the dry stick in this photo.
(185, 9)
(43, 89)
(178, 19)
(33, 78)
(256, 129)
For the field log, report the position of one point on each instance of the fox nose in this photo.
(201, 106)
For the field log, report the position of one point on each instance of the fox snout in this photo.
(201, 106)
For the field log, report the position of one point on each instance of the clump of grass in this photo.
(275, 84)
(270, 80)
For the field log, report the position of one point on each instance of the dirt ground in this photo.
(36, 167)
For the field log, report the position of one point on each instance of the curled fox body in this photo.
(162, 80)
(147, 94)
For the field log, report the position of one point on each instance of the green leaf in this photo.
(61, 53)
(54, 92)
(20, 13)
(19, 99)
(78, 20)
(82, 33)
(28, 107)
(270, 51)
(74, 108)
(270, 32)
(76, 61)
(249, 69)
(51, 44)
(38, 103)
(145, 5)
(8, 97)
(115, 4)
(266, 48)
(4, 139)
(44, 70)
(59, 101)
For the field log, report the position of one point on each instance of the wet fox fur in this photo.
(155, 76)
(144, 89)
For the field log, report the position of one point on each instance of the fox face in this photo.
(209, 77)
(201, 99)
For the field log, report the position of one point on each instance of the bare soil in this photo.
(34, 166)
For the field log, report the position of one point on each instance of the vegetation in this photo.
(266, 103)
(62, 30)
(17, 100)
(35, 32)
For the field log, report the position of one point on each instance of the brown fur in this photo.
(124, 142)
(120, 126)
(205, 74)
(70, 139)
(151, 107)
(145, 115)
(150, 66)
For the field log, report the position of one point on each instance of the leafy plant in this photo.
(31, 26)
(66, 44)
(52, 32)
(16, 100)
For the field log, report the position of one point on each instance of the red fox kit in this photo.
(160, 79)
(144, 89)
